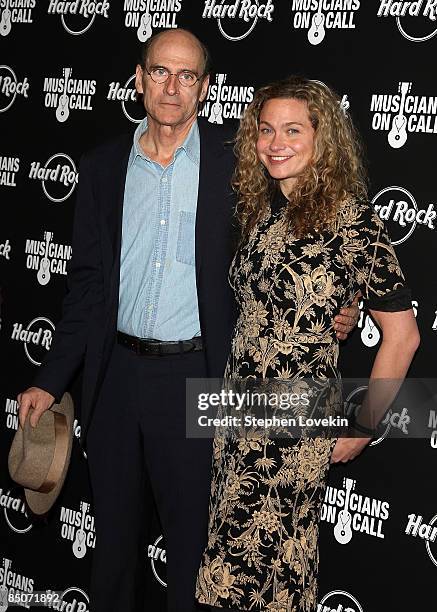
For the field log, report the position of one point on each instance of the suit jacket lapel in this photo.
(113, 179)
(211, 150)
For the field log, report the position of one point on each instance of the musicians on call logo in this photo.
(225, 100)
(403, 113)
(68, 93)
(78, 527)
(9, 166)
(13, 583)
(14, 12)
(47, 257)
(351, 512)
(147, 16)
(321, 16)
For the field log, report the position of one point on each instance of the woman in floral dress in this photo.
(309, 241)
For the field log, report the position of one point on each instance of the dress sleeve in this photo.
(372, 260)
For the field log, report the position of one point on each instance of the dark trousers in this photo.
(138, 435)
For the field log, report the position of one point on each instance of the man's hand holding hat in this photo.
(35, 398)
(40, 452)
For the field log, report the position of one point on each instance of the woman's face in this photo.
(285, 142)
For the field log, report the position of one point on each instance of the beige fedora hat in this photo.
(39, 456)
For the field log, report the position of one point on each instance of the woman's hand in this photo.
(347, 449)
(347, 319)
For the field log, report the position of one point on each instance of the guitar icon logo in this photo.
(370, 333)
(44, 275)
(342, 529)
(4, 591)
(79, 546)
(397, 136)
(5, 22)
(344, 104)
(62, 111)
(316, 33)
(216, 112)
(145, 31)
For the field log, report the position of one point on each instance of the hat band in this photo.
(61, 446)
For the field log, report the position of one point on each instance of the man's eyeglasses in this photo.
(185, 77)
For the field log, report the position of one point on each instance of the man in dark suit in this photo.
(148, 306)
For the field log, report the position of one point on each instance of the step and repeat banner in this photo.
(66, 84)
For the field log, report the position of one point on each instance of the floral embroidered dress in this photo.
(266, 494)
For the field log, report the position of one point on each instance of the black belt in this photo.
(158, 348)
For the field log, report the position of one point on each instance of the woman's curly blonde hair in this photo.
(335, 174)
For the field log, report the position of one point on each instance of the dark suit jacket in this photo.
(87, 330)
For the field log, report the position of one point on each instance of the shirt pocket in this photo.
(185, 246)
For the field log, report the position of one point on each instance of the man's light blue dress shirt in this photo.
(158, 296)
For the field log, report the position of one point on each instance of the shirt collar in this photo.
(136, 148)
(191, 144)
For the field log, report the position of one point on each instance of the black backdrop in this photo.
(65, 85)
